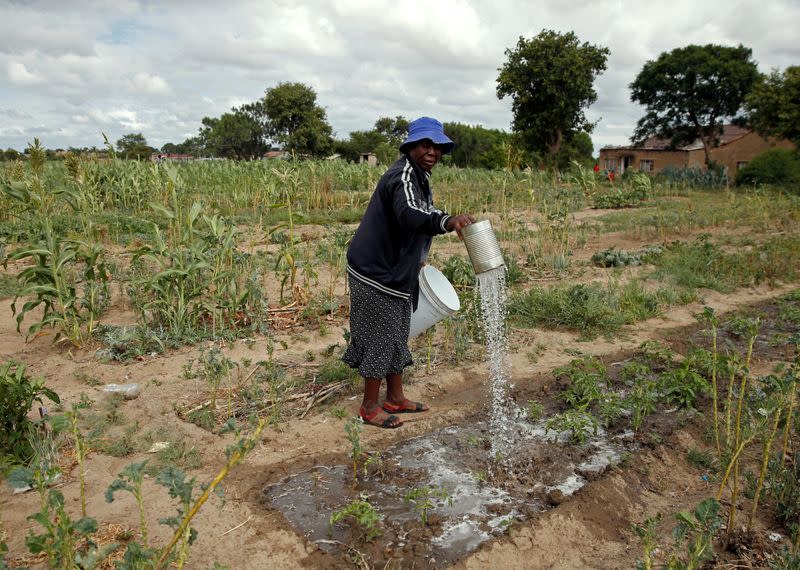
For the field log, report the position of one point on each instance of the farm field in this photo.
(219, 288)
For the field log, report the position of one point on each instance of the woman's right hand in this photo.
(458, 223)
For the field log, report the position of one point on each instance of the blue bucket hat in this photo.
(427, 128)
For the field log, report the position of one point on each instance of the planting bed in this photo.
(543, 502)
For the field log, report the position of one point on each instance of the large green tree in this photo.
(134, 145)
(550, 80)
(236, 135)
(773, 105)
(394, 130)
(477, 146)
(690, 92)
(291, 117)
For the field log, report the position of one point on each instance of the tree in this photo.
(359, 143)
(550, 80)
(394, 130)
(236, 135)
(476, 146)
(291, 117)
(690, 92)
(774, 105)
(134, 145)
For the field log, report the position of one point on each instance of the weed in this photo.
(534, 410)
(579, 423)
(130, 479)
(364, 514)
(683, 386)
(647, 534)
(339, 412)
(701, 459)
(18, 392)
(426, 498)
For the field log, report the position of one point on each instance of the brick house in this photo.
(737, 146)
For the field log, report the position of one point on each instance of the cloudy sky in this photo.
(70, 71)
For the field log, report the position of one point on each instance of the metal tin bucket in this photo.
(484, 251)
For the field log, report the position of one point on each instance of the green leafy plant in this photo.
(130, 479)
(647, 534)
(534, 410)
(18, 392)
(426, 498)
(579, 423)
(352, 431)
(695, 532)
(683, 386)
(365, 516)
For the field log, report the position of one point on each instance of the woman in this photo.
(383, 263)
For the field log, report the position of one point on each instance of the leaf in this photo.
(20, 478)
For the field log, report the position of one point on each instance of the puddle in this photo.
(488, 493)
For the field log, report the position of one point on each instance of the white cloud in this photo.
(152, 84)
(74, 70)
(18, 74)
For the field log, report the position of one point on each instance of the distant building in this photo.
(270, 154)
(737, 146)
(160, 156)
(369, 157)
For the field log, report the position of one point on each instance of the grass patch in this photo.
(703, 264)
(9, 286)
(592, 309)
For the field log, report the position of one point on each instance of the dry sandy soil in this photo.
(590, 529)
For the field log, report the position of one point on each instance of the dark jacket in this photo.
(396, 231)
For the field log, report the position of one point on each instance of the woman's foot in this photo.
(378, 417)
(404, 406)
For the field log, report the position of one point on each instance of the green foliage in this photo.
(693, 177)
(352, 431)
(426, 498)
(477, 146)
(534, 410)
(237, 135)
(689, 91)
(585, 376)
(647, 533)
(294, 120)
(550, 81)
(131, 479)
(774, 104)
(589, 308)
(773, 166)
(365, 516)
(134, 145)
(683, 386)
(579, 423)
(701, 459)
(18, 392)
(695, 532)
(625, 195)
(196, 278)
(459, 272)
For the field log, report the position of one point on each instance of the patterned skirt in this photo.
(379, 327)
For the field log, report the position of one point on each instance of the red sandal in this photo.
(387, 423)
(406, 407)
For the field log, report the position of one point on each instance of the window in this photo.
(646, 165)
(741, 164)
(611, 164)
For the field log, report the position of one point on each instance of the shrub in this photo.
(18, 392)
(775, 166)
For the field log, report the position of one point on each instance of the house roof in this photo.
(729, 134)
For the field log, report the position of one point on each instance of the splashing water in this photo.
(492, 290)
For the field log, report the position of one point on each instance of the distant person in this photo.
(596, 168)
(383, 263)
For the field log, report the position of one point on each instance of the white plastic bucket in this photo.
(437, 300)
